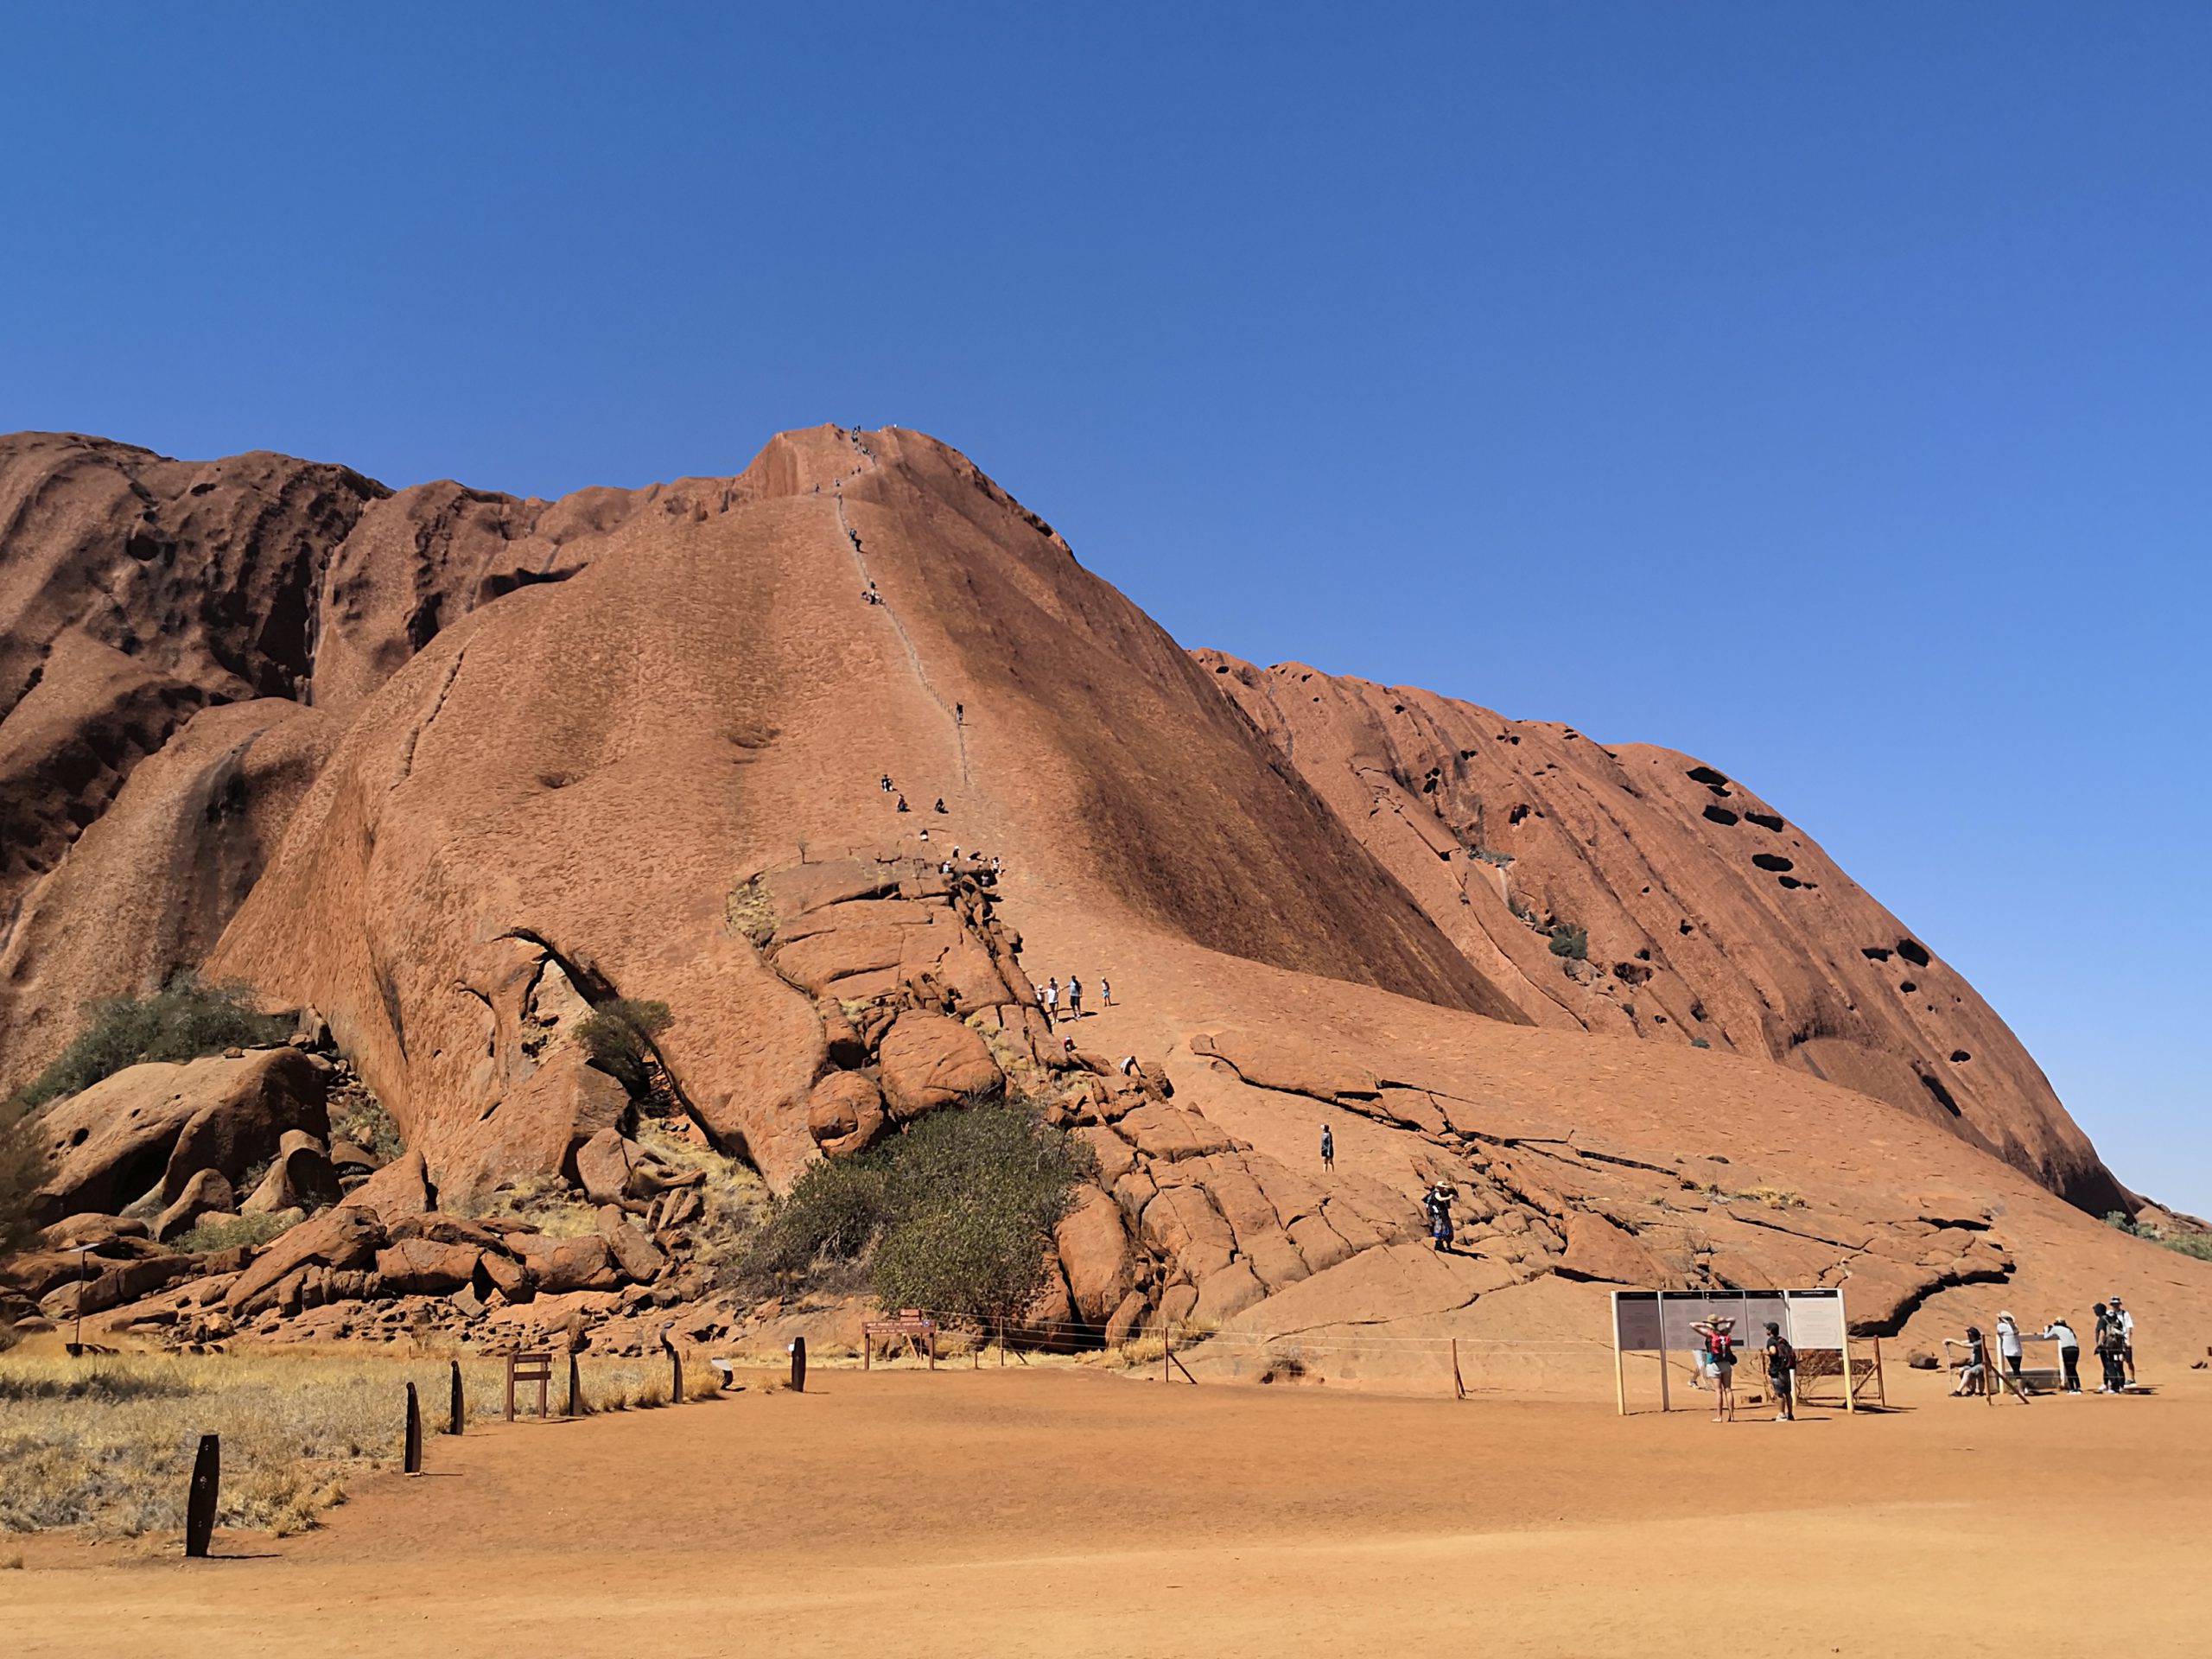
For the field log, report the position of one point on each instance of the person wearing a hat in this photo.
(1781, 1372)
(1437, 1201)
(2112, 1341)
(1720, 1351)
(2008, 1345)
(2125, 1321)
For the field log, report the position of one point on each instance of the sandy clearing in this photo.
(1061, 1512)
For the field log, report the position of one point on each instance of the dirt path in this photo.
(1066, 1513)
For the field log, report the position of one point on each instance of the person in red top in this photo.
(1720, 1352)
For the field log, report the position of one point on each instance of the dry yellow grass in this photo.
(106, 1442)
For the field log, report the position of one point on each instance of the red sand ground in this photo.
(1050, 1511)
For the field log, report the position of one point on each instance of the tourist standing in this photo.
(2125, 1321)
(1720, 1353)
(2008, 1345)
(2070, 1353)
(1328, 1149)
(2111, 1341)
(1437, 1202)
(1781, 1372)
(1075, 997)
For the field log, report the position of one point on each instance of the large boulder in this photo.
(1596, 1249)
(844, 1112)
(301, 1178)
(607, 1165)
(154, 1125)
(638, 1256)
(91, 1231)
(929, 1060)
(423, 1267)
(347, 1236)
(1095, 1255)
(278, 1091)
(560, 1265)
(205, 1192)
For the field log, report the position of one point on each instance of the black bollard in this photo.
(577, 1406)
(411, 1461)
(459, 1413)
(200, 1501)
(798, 1364)
(675, 1371)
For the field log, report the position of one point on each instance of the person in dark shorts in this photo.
(2112, 1346)
(1328, 1148)
(1437, 1201)
(1781, 1373)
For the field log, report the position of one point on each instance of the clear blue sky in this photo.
(1820, 390)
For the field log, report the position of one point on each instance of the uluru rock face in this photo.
(448, 766)
(1709, 916)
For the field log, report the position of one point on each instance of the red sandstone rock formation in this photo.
(449, 767)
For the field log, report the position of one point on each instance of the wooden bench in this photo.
(913, 1325)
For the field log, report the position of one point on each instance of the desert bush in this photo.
(254, 1229)
(955, 1215)
(359, 1116)
(1571, 942)
(1491, 856)
(183, 1020)
(619, 1035)
(1699, 1042)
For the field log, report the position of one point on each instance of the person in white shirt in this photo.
(2070, 1353)
(2125, 1321)
(2008, 1344)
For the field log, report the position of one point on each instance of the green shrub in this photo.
(2196, 1244)
(1491, 856)
(619, 1035)
(1699, 1042)
(183, 1020)
(954, 1215)
(1571, 942)
(359, 1116)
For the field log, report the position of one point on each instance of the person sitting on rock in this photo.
(940, 804)
(903, 807)
(887, 783)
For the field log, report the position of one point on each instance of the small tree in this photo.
(184, 1020)
(619, 1035)
(1571, 942)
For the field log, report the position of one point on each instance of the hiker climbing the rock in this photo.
(887, 783)
(1437, 1201)
(1328, 1149)
(1075, 997)
(903, 807)
(960, 714)
(1128, 1065)
(940, 805)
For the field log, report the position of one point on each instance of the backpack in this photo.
(1719, 1343)
(1781, 1356)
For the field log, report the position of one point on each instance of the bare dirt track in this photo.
(1051, 1511)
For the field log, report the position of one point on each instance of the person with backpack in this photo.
(2125, 1321)
(2112, 1342)
(1781, 1372)
(1328, 1149)
(1718, 1346)
(2070, 1353)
